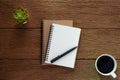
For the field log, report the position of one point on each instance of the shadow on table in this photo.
(109, 77)
(21, 26)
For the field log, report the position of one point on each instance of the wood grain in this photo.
(33, 70)
(94, 42)
(85, 13)
(20, 43)
(26, 43)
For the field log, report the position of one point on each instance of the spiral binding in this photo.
(49, 42)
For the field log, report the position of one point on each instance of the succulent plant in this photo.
(21, 15)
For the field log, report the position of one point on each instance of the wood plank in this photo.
(33, 70)
(26, 43)
(94, 42)
(20, 43)
(85, 13)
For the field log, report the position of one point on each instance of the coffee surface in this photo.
(105, 64)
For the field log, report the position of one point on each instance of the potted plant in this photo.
(21, 15)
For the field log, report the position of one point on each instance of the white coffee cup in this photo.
(112, 73)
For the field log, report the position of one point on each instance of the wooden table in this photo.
(20, 45)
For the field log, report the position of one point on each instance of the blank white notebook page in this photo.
(63, 38)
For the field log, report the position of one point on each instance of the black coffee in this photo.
(105, 64)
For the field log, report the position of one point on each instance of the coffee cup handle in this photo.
(113, 75)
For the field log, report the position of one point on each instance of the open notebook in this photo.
(45, 34)
(62, 38)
